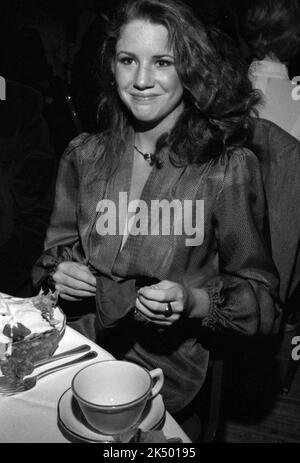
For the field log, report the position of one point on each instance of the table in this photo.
(31, 417)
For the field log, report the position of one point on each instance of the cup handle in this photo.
(157, 375)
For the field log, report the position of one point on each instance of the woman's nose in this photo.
(143, 78)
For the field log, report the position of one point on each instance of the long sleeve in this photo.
(30, 172)
(243, 295)
(62, 233)
(279, 155)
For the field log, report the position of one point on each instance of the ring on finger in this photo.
(168, 310)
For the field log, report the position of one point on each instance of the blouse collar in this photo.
(269, 68)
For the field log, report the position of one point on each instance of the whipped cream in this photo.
(14, 312)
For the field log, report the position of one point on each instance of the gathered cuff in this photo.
(216, 303)
(48, 282)
(44, 269)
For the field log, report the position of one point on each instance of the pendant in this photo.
(149, 157)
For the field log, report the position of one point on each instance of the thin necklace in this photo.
(149, 157)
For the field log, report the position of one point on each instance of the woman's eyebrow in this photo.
(123, 52)
(160, 56)
(165, 55)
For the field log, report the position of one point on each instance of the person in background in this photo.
(271, 29)
(27, 180)
(178, 115)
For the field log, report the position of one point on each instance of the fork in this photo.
(4, 380)
(14, 387)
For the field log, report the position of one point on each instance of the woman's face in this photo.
(145, 74)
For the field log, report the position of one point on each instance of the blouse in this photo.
(230, 257)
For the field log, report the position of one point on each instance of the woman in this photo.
(177, 112)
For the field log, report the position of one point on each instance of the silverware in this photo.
(5, 380)
(77, 350)
(14, 387)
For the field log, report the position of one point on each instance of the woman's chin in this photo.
(146, 120)
(145, 117)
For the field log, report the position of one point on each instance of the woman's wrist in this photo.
(198, 303)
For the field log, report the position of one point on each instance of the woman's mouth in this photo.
(143, 98)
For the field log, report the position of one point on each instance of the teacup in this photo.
(113, 394)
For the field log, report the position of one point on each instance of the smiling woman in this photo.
(179, 95)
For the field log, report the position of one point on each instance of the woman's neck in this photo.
(146, 141)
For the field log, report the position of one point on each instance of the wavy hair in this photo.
(218, 96)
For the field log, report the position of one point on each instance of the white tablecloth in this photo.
(32, 415)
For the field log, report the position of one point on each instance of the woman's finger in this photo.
(159, 295)
(90, 278)
(154, 306)
(153, 317)
(77, 271)
(62, 289)
(66, 280)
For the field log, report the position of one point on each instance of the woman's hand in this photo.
(74, 281)
(152, 302)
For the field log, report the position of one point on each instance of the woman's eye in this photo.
(126, 61)
(164, 63)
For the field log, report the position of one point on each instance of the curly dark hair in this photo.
(272, 26)
(218, 96)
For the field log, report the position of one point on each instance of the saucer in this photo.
(72, 420)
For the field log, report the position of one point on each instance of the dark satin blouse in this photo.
(233, 263)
